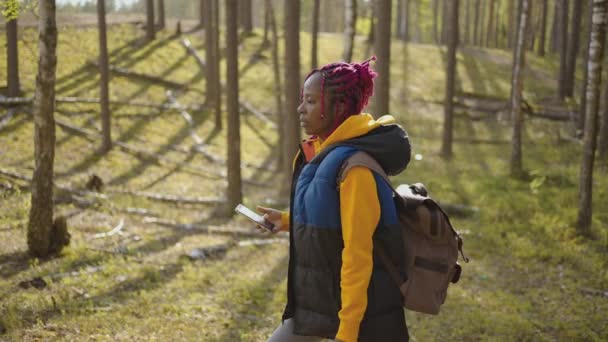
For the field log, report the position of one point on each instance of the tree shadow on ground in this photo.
(250, 316)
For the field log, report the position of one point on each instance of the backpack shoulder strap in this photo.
(361, 159)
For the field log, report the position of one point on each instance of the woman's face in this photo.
(310, 109)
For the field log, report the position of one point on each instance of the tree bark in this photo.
(235, 195)
(265, 40)
(315, 34)
(573, 47)
(580, 124)
(490, 28)
(213, 88)
(244, 7)
(543, 29)
(41, 210)
(446, 147)
(161, 14)
(278, 88)
(476, 26)
(382, 47)
(563, 48)
(12, 56)
(444, 22)
(602, 147)
(435, 20)
(467, 21)
(350, 20)
(202, 13)
(517, 84)
(510, 18)
(150, 30)
(554, 44)
(398, 19)
(104, 92)
(292, 87)
(594, 76)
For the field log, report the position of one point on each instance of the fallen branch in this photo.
(198, 141)
(592, 292)
(219, 250)
(203, 228)
(115, 230)
(248, 107)
(171, 198)
(132, 74)
(6, 118)
(10, 101)
(201, 62)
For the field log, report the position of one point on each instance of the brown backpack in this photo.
(431, 244)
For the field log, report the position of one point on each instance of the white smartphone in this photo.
(254, 217)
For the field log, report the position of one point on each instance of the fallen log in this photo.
(114, 231)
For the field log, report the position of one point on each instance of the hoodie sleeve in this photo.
(360, 214)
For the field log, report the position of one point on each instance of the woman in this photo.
(337, 288)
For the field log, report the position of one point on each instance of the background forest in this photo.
(129, 130)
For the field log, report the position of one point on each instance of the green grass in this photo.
(529, 272)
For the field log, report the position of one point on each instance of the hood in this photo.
(383, 139)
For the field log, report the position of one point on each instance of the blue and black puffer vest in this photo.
(316, 253)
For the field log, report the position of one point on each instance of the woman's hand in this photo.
(273, 216)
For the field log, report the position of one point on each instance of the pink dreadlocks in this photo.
(349, 87)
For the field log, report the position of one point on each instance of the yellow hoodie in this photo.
(360, 209)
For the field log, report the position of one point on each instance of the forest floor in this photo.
(530, 276)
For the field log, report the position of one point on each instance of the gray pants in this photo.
(284, 333)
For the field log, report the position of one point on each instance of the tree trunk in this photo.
(235, 195)
(554, 44)
(202, 13)
(244, 16)
(602, 148)
(213, 88)
(594, 76)
(315, 33)
(12, 56)
(444, 22)
(41, 211)
(161, 14)
(435, 20)
(417, 28)
(350, 20)
(563, 48)
(531, 28)
(517, 85)
(476, 26)
(467, 21)
(490, 28)
(372, 26)
(573, 47)
(265, 40)
(382, 47)
(510, 18)
(580, 124)
(292, 86)
(398, 20)
(104, 92)
(278, 88)
(150, 30)
(446, 147)
(405, 24)
(496, 28)
(543, 29)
